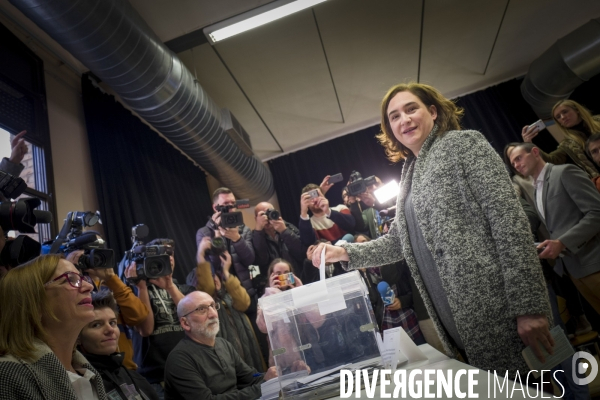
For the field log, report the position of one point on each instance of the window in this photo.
(33, 175)
(23, 107)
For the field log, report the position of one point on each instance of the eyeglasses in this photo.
(203, 309)
(74, 279)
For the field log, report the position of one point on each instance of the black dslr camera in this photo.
(272, 214)
(232, 219)
(11, 187)
(218, 247)
(72, 238)
(20, 216)
(152, 261)
(358, 185)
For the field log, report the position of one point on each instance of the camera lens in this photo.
(98, 260)
(273, 214)
(154, 268)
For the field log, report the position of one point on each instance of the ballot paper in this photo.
(562, 351)
(336, 301)
(392, 354)
(314, 377)
(322, 266)
(410, 349)
(270, 389)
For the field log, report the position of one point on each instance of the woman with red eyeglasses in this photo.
(44, 304)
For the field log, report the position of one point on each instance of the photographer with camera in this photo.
(22, 216)
(238, 239)
(360, 199)
(326, 223)
(160, 332)
(274, 238)
(215, 279)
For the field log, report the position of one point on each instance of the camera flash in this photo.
(386, 192)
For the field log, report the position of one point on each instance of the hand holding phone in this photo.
(531, 131)
(313, 193)
(335, 178)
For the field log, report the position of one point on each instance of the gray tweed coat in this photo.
(479, 237)
(43, 378)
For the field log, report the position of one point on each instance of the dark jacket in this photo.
(242, 255)
(356, 210)
(115, 375)
(196, 371)
(286, 245)
(398, 274)
(572, 215)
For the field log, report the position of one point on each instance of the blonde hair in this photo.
(448, 116)
(23, 288)
(590, 122)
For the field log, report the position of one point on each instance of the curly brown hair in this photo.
(448, 116)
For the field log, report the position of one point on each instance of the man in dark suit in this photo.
(569, 204)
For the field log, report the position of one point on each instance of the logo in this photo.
(581, 363)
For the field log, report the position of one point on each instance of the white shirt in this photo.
(82, 385)
(539, 188)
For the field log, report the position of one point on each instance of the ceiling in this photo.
(322, 72)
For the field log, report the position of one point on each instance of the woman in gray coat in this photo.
(462, 231)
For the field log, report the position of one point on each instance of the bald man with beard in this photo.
(275, 238)
(204, 366)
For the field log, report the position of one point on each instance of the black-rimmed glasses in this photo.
(203, 309)
(74, 279)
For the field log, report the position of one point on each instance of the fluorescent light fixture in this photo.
(255, 18)
(386, 192)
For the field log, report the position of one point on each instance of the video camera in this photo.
(20, 216)
(72, 238)
(358, 185)
(152, 261)
(232, 219)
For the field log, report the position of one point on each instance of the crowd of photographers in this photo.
(131, 331)
(126, 321)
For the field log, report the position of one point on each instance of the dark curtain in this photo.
(498, 112)
(142, 179)
(359, 151)
(587, 94)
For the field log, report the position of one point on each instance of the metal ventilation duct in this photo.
(116, 44)
(568, 63)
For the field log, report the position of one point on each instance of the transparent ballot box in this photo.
(314, 331)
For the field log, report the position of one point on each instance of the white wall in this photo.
(73, 176)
